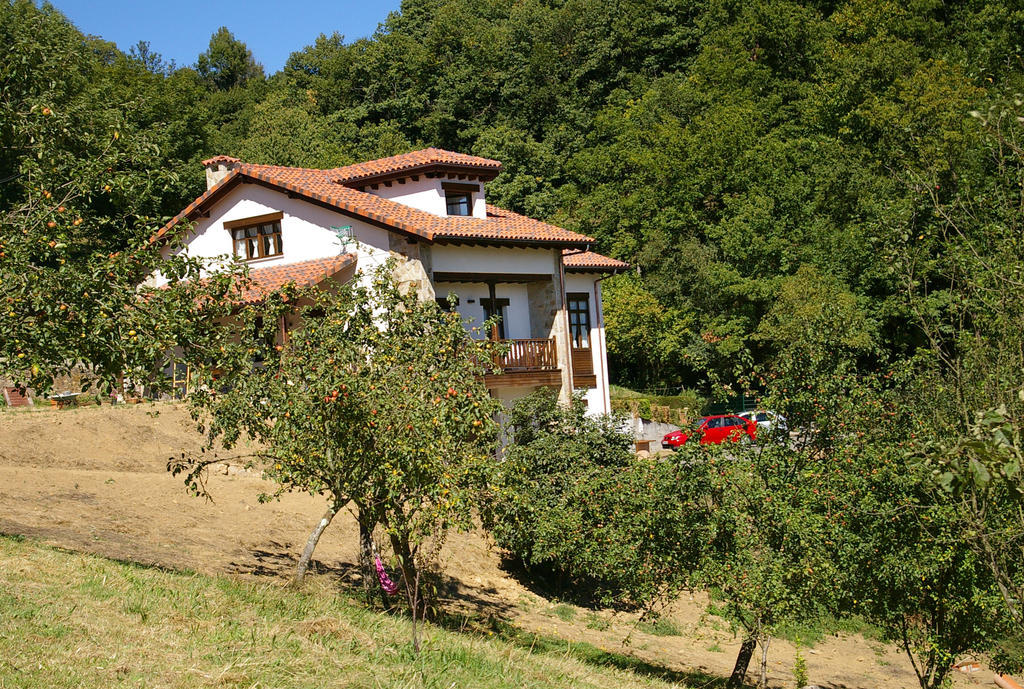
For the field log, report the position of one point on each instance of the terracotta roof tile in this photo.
(227, 160)
(427, 157)
(591, 262)
(264, 281)
(500, 226)
(230, 179)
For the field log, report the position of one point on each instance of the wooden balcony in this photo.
(526, 362)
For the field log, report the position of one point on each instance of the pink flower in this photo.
(390, 587)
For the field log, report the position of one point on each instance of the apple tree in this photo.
(374, 399)
(81, 193)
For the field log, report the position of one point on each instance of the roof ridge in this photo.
(286, 167)
(423, 157)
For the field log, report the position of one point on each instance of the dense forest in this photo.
(746, 158)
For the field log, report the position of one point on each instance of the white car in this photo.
(768, 421)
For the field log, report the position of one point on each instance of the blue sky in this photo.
(180, 29)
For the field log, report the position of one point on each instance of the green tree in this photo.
(646, 341)
(571, 499)
(227, 63)
(961, 266)
(80, 202)
(375, 399)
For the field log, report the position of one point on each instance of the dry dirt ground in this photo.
(94, 479)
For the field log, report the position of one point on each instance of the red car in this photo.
(713, 430)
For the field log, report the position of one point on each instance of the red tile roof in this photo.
(319, 186)
(427, 157)
(229, 180)
(591, 262)
(226, 160)
(264, 281)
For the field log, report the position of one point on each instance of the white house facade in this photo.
(427, 209)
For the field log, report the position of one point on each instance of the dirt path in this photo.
(94, 479)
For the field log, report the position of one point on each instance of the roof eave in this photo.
(521, 243)
(199, 207)
(608, 270)
(485, 173)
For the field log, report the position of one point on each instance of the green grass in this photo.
(810, 633)
(617, 392)
(661, 626)
(73, 620)
(564, 612)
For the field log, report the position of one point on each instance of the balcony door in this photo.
(579, 319)
(578, 307)
(498, 307)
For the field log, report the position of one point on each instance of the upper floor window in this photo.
(459, 197)
(258, 237)
(579, 318)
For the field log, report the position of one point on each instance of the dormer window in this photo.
(459, 203)
(459, 197)
(258, 237)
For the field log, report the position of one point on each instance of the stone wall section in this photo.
(413, 270)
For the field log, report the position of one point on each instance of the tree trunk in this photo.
(765, 642)
(367, 568)
(739, 671)
(411, 581)
(314, 538)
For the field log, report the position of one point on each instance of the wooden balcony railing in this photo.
(527, 355)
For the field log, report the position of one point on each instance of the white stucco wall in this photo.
(305, 230)
(487, 259)
(472, 311)
(598, 398)
(427, 195)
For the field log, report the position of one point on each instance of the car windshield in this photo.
(763, 416)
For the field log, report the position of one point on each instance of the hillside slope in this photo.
(94, 480)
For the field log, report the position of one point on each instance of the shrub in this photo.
(572, 499)
(678, 409)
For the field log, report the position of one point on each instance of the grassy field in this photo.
(73, 620)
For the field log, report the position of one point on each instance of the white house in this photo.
(427, 208)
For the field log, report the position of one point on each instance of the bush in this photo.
(571, 499)
(677, 409)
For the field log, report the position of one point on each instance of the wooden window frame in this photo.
(570, 299)
(454, 192)
(240, 242)
(181, 377)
